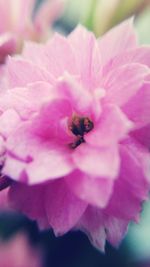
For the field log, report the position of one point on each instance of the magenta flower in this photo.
(18, 252)
(76, 127)
(18, 23)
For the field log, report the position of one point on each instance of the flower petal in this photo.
(60, 56)
(7, 46)
(87, 56)
(138, 108)
(123, 82)
(132, 186)
(41, 158)
(142, 135)
(94, 190)
(137, 55)
(96, 161)
(116, 229)
(28, 199)
(112, 121)
(101, 226)
(63, 208)
(15, 169)
(22, 72)
(119, 39)
(52, 120)
(50, 163)
(92, 224)
(27, 100)
(81, 99)
(9, 120)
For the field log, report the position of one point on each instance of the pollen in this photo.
(80, 126)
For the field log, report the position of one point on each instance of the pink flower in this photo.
(18, 25)
(76, 127)
(17, 252)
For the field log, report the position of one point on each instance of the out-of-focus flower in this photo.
(76, 126)
(109, 13)
(18, 252)
(19, 22)
(100, 15)
(142, 26)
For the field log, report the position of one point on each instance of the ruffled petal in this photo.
(22, 72)
(30, 52)
(138, 108)
(142, 135)
(50, 163)
(59, 56)
(28, 199)
(132, 186)
(92, 224)
(96, 161)
(52, 121)
(27, 100)
(63, 208)
(87, 56)
(119, 39)
(137, 55)
(112, 121)
(80, 99)
(9, 120)
(7, 46)
(123, 82)
(94, 190)
(38, 158)
(100, 227)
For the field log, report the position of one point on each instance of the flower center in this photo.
(79, 126)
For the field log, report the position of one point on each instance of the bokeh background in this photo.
(74, 248)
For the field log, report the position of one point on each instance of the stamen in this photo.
(79, 127)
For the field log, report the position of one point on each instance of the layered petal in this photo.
(143, 136)
(7, 46)
(97, 161)
(60, 56)
(112, 121)
(94, 190)
(119, 39)
(81, 100)
(31, 152)
(75, 132)
(21, 73)
(28, 199)
(100, 227)
(92, 224)
(138, 108)
(9, 120)
(27, 100)
(87, 58)
(63, 208)
(123, 82)
(132, 185)
(52, 120)
(56, 56)
(137, 55)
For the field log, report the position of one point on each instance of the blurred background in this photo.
(74, 249)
